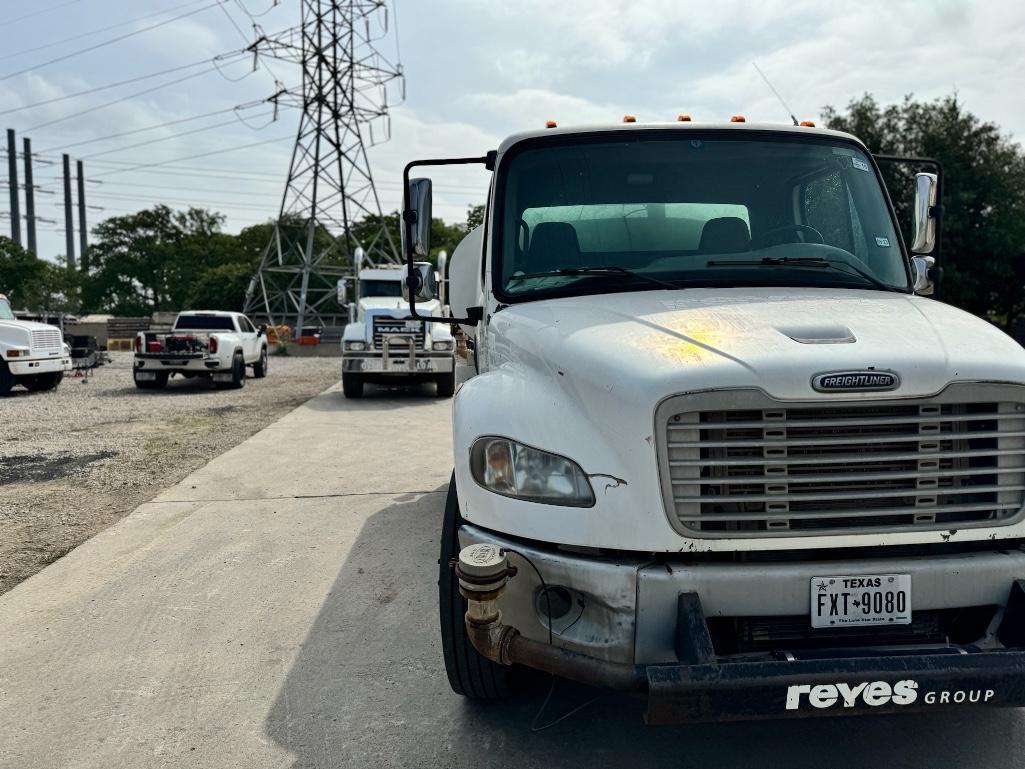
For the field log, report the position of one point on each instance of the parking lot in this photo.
(75, 460)
(285, 616)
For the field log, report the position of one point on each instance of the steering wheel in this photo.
(764, 238)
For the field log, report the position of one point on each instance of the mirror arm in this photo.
(409, 221)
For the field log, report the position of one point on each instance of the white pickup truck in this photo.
(31, 354)
(723, 449)
(215, 345)
(383, 345)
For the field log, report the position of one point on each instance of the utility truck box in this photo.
(722, 448)
(383, 344)
(31, 354)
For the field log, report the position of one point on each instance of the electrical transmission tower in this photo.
(346, 84)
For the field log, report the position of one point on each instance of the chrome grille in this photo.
(765, 468)
(46, 339)
(383, 326)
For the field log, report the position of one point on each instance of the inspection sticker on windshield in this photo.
(871, 599)
(859, 164)
(883, 242)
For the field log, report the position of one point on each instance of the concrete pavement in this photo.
(278, 609)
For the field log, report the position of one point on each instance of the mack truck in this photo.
(722, 448)
(31, 354)
(383, 344)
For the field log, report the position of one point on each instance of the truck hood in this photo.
(20, 331)
(653, 344)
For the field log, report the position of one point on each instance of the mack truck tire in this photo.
(153, 384)
(352, 385)
(40, 382)
(447, 384)
(469, 673)
(6, 378)
(260, 367)
(238, 374)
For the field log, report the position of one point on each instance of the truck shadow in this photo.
(368, 688)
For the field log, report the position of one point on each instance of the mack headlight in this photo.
(511, 469)
(444, 346)
(355, 346)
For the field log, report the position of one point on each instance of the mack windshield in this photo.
(5, 309)
(673, 212)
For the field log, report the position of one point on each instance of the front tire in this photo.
(41, 382)
(469, 673)
(6, 378)
(352, 385)
(260, 367)
(447, 384)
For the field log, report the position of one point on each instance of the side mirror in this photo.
(418, 218)
(342, 291)
(924, 214)
(920, 267)
(261, 330)
(422, 281)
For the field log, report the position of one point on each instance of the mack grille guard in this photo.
(703, 687)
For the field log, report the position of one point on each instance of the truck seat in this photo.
(553, 245)
(725, 235)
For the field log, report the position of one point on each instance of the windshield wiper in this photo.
(606, 270)
(812, 261)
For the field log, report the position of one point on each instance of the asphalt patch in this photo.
(43, 467)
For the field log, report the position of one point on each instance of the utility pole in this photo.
(83, 232)
(12, 182)
(330, 187)
(30, 196)
(69, 218)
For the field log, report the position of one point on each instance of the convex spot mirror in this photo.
(422, 280)
(418, 217)
(342, 290)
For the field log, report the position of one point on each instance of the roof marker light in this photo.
(551, 124)
(683, 118)
(807, 124)
(629, 119)
(738, 119)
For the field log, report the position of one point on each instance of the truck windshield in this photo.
(611, 215)
(6, 313)
(385, 288)
(204, 323)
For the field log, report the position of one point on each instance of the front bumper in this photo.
(33, 366)
(404, 365)
(655, 618)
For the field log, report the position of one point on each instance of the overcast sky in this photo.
(476, 70)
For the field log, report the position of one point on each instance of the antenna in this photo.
(789, 111)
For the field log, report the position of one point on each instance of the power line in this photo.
(192, 157)
(112, 40)
(120, 100)
(104, 87)
(162, 139)
(80, 35)
(8, 22)
(143, 130)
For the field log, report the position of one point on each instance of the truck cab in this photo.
(384, 345)
(722, 447)
(31, 354)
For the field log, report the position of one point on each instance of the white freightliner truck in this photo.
(384, 345)
(722, 449)
(31, 354)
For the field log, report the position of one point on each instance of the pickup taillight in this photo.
(138, 344)
(213, 344)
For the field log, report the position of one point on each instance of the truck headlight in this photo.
(511, 469)
(18, 352)
(356, 346)
(443, 346)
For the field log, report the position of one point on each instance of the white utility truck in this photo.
(722, 448)
(384, 345)
(209, 344)
(31, 354)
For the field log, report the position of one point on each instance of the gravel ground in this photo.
(76, 460)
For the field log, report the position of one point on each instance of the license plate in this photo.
(866, 599)
(145, 376)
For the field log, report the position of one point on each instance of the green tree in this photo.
(32, 283)
(474, 217)
(983, 197)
